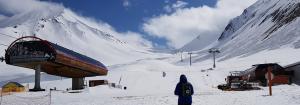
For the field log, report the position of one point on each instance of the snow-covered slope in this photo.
(147, 86)
(266, 25)
(64, 27)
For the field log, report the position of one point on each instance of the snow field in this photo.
(146, 86)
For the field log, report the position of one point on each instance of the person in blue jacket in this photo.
(184, 90)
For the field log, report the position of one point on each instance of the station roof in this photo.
(77, 55)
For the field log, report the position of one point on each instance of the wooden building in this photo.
(257, 74)
(295, 69)
(13, 87)
(93, 83)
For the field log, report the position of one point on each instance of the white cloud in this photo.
(126, 3)
(179, 4)
(173, 7)
(136, 39)
(185, 24)
(168, 8)
(12, 7)
(167, 1)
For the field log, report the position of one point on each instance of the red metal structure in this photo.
(35, 53)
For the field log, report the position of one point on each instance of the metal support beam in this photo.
(181, 56)
(77, 83)
(190, 58)
(214, 51)
(214, 54)
(37, 79)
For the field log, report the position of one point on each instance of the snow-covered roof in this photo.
(292, 65)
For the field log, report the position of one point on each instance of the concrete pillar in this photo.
(37, 79)
(77, 83)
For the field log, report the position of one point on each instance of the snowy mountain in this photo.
(266, 25)
(84, 35)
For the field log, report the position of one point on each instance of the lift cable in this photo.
(3, 44)
(8, 35)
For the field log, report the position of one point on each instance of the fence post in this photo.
(50, 97)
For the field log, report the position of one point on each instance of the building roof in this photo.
(16, 83)
(66, 51)
(267, 65)
(257, 66)
(247, 71)
(292, 65)
(77, 56)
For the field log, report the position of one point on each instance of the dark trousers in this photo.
(184, 104)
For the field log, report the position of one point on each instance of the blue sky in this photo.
(129, 15)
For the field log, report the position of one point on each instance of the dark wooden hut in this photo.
(257, 74)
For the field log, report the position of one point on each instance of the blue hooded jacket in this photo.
(178, 91)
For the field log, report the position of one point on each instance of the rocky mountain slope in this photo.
(266, 25)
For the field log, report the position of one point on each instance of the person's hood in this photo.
(183, 79)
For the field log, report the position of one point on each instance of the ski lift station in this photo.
(43, 56)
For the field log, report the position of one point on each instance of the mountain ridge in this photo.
(265, 25)
(80, 34)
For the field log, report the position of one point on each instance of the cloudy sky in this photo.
(166, 23)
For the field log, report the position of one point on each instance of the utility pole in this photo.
(181, 56)
(190, 53)
(120, 80)
(214, 51)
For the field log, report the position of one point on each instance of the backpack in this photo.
(186, 89)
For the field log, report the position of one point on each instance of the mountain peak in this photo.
(68, 29)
